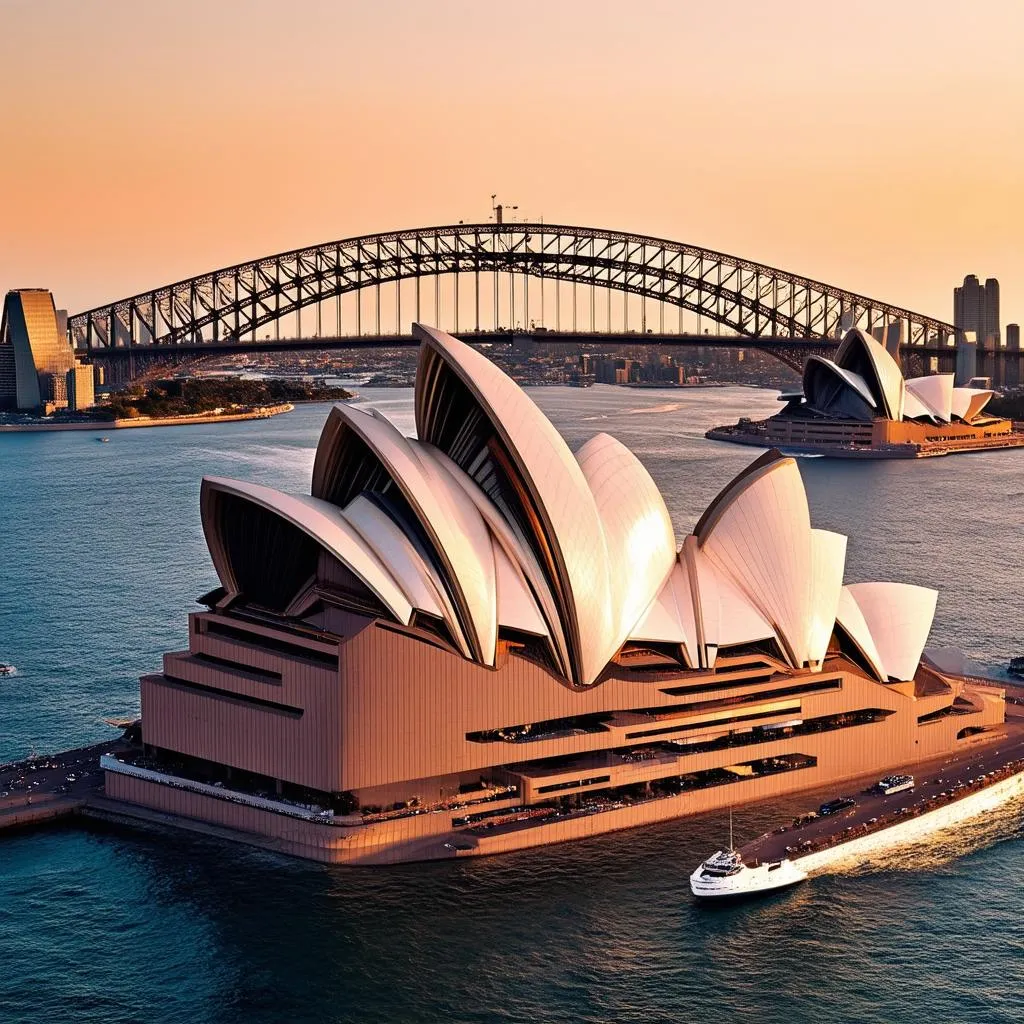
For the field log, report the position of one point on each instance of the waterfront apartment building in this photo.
(477, 640)
(36, 356)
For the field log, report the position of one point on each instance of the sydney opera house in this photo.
(476, 640)
(860, 404)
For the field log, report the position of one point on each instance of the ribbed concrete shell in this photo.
(914, 408)
(831, 389)
(969, 402)
(461, 534)
(899, 618)
(739, 621)
(458, 537)
(670, 618)
(481, 419)
(758, 531)
(935, 392)
(516, 607)
(828, 562)
(851, 619)
(412, 571)
(320, 520)
(640, 542)
(866, 357)
(519, 554)
(707, 605)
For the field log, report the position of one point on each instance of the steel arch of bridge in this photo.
(749, 298)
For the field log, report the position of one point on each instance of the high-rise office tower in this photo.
(40, 351)
(976, 308)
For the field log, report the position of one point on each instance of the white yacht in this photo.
(724, 875)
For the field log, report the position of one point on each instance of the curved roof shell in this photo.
(671, 617)
(868, 359)
(490, 523)
(516, 607)
(411, 569)
(639, 538)
(487, 425)
(758, 531)
(899, 618)
(851, 619)
(828, 563)
(833, 390)
(511, 542)
(319, 520)
(967, 403)
(361, 452)
(935, 393)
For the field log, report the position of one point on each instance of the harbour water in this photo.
(101, 556)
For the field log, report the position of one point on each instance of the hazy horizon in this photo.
(872, 148)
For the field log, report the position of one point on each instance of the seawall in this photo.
(262, 413)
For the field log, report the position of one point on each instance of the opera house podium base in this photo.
(881, 439)
(452, 829)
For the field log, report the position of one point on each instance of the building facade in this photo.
(976, 308)
(35, 354)
(476, 640)
(81, 387)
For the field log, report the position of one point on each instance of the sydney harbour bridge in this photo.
(500, 283)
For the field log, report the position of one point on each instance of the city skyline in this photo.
(817, 141)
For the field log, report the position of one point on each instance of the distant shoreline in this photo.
(262, 413)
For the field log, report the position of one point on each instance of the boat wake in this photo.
(664, 407)
(942, 847)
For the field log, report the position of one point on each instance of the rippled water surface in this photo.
(101, 555)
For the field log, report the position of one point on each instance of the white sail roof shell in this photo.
(739, 621)
(886, 370)
(851, 618)
(670, 618)
(968, 402)
(570, 520)
(413, 573)
(899, 618)
(707, 605)
(326, 525)
(828, 563)
(758, 531)
(847, 377)
(449, 518)
(935, 392)
(521, 556)
(516, 606)
(639, 539)
(914, 408)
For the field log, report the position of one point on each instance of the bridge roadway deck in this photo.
(932, 778)
(504, 338)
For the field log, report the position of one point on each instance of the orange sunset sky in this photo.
(876, 145)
